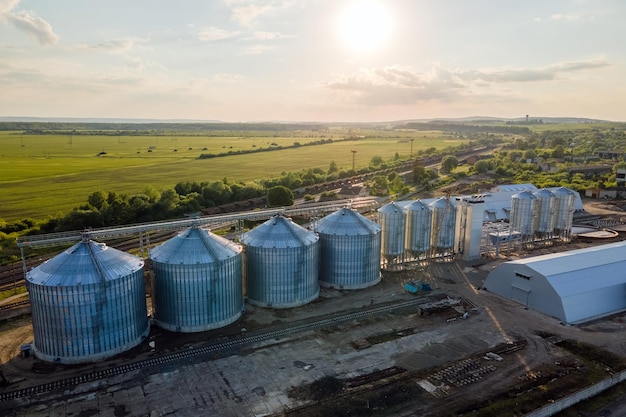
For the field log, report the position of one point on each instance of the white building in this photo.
(573, 286)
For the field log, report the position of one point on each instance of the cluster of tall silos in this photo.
(416, 232)
(89, 303)
(542, 215)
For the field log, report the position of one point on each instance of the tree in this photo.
(333, 167)
(279, 196)
(558, 151)
(482, 166)
(448, 163)
(376, 161)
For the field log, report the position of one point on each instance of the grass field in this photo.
(42, 175)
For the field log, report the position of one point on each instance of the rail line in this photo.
(238, 342)
(14, 305)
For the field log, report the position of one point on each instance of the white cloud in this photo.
(112, 46)
(211, 33)
(397, 85)
(245, 15)
(246, 12)
(229, 78)
(270, 36)
(27, 21)
(7, 5)
(566, 17)
(257, 49)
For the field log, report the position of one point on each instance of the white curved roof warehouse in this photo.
(573, 286)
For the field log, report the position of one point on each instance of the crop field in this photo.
(42, 175)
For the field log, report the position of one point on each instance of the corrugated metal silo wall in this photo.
(393, 225)
(545, 206)
(418, 228)
(522, 215)
(443, 225)
(282, 277)
(350, 261)
(564, 211)
(85, 323)
(198, 297)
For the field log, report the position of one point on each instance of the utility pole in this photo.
(353, 156)
(412, 139)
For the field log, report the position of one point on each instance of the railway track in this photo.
(14, 305)
(219, 347)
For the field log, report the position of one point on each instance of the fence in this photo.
(560, 405)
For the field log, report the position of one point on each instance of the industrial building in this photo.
(573, 286)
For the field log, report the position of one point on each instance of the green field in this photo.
(42, 175)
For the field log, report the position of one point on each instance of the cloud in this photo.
(229, 78)
(270, 36)
(566, 17)
(257, 49)
(211, 34)
(246, 12)
(245, 15)
(113, 46)
(28, 22)
(396, 85)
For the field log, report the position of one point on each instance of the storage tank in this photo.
(418, 228)
(88, 303)
(522, 217)
(197, 282)
(350, 250)
(545, 209)
(443, 225)
(281, 262)
(392, 221)
(564, 212)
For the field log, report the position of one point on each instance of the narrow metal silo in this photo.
(350, 250)
(442, 229)
(281, 262)
(545, 209)
(564, 213)
(418, 229)
(522, 217)
(392, 220)
(197, 282)
(88, 303)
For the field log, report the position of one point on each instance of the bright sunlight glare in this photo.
(364, 25)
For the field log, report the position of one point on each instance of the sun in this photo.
(364, 25)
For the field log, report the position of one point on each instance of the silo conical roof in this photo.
(87, 262)
(279, 232)
(195, 246)
(347, 222)
(417, 205)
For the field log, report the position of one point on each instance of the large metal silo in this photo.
(88, 303)
(545, 208)
(522, 217)
(418, 229)
(442, 228)
(350, 250)
(281, 262)
(197, 282)
(564, 213)
(392, 220)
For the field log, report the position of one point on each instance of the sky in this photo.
(312, 60)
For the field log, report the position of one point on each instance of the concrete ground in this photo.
(256, 381)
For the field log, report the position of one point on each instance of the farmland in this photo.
(49, 174)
